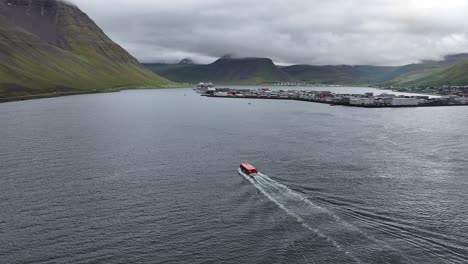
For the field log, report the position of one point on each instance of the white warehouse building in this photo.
(361, 101)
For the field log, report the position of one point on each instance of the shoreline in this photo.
(63, 94)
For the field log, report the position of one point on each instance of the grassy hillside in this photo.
(225, 71)
(411, 72)
(47, 46)
(456, 74)
(427, 72)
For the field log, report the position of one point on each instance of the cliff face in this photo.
(52, 46)
(40, 18)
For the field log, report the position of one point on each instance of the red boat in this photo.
(248, 169)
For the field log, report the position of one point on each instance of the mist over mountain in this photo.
(315, 32)
(186, 61)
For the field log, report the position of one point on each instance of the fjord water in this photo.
(151, 176)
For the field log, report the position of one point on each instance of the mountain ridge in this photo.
(424, 72)
(225, 70)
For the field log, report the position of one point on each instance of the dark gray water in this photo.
(151, 177)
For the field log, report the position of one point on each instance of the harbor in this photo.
(366, 100)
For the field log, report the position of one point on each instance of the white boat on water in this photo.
(204, 87)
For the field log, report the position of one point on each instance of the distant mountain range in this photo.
(226, 70)
(50, 46)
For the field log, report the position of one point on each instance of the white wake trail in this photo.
(345, 237)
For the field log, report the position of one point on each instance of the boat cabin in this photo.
(248, 168)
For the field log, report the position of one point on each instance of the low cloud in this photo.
(377, 32)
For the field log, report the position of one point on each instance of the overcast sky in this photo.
(318, 32)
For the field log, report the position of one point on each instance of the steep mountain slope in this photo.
(225, 70)
(49, 46)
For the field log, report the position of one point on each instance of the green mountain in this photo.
(51, 47)
(225, 70)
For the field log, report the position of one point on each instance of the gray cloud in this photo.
(379, 32)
